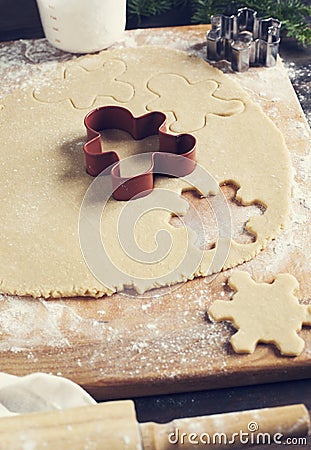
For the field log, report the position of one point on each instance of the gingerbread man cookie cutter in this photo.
(176, 155)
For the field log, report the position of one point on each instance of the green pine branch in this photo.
(292, 13)
(146, 8)
(140, 8)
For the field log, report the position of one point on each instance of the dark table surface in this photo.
(19, 19)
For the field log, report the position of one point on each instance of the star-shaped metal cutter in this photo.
(176, 155)
(243, 39)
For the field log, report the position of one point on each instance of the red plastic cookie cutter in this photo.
(176, 155)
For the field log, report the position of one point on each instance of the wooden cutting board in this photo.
(121, 347)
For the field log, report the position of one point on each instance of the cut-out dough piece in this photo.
(96, 83)
(185, 96)
(263, 312)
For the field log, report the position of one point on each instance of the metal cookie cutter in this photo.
(176, 155)
(243, 39)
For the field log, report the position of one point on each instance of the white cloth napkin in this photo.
(39, 392)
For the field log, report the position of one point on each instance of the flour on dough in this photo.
(43, 178)
(100, 82)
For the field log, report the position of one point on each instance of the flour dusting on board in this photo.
(29, 324)
(303, 90)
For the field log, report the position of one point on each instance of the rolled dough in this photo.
(43, 178)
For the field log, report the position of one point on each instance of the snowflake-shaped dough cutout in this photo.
(96, 83)
(176, 94)
(263, 312)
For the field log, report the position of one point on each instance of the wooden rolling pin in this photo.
(113, 426)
